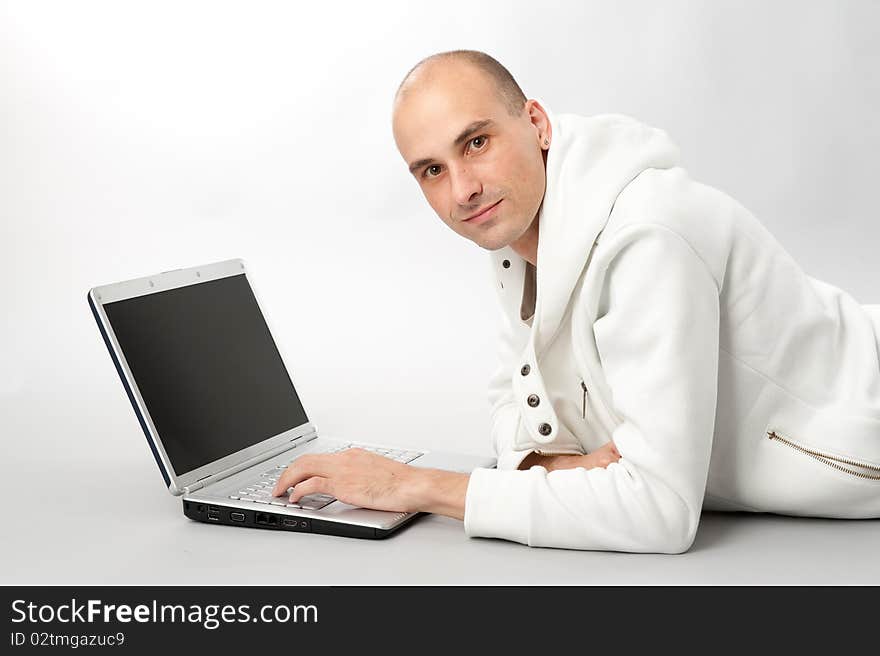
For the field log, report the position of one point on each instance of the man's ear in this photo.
(537, 116)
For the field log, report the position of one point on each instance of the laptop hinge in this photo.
(250, 462)
(198, 485)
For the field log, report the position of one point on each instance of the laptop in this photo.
(219, 409)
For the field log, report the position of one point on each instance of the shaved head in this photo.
(475, 145)
(509, 92)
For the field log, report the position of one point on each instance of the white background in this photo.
(140, 137)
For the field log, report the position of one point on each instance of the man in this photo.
(661, 352)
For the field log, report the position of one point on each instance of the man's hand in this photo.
(601, 457)
(357, 477)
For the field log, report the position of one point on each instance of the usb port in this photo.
(289, 522)
(213, 513)
(236, 516)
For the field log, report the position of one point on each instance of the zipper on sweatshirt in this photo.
(584, 405)
(873, 471)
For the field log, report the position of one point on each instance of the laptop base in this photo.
(260, 518)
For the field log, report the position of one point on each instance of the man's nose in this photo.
(465, 186)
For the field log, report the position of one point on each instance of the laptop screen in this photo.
(207, 368)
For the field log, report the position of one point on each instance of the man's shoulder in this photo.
(669, 199)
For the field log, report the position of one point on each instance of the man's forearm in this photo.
(601, 457)
(550, 462)
(442, 492)
(534, 459)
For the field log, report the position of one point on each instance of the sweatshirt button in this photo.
(525, 370)
(544, 429)
(506, 264)
(533, 401)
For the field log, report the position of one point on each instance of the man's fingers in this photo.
(609, 448)
(314, 485)
(299, 470)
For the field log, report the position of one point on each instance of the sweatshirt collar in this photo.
(590, 161)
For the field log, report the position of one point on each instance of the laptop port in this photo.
(267, 519)
(213, 513)
(236, 516)
(289, 522)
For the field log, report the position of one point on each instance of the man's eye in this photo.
(432, 171)
(479, 142)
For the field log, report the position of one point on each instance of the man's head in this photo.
(472, 140)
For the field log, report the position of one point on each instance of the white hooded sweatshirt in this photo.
(669, 320)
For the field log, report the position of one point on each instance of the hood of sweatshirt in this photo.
(590, 161)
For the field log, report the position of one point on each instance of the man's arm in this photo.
(366, 479)
(601, 457)
(657, 335)
(444, 493)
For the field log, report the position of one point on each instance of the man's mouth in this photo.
(484, 214)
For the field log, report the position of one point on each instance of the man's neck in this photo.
(526, 246)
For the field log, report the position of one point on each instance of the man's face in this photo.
(468, 154)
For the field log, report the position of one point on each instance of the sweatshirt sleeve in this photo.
(657, 332)
(504, 411)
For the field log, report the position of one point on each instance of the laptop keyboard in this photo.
(260, 491)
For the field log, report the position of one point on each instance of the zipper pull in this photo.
(584, 410)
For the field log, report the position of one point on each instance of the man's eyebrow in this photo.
(463, 135)
(473, 127)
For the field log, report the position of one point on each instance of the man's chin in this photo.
(490, 246)
(493, 240)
